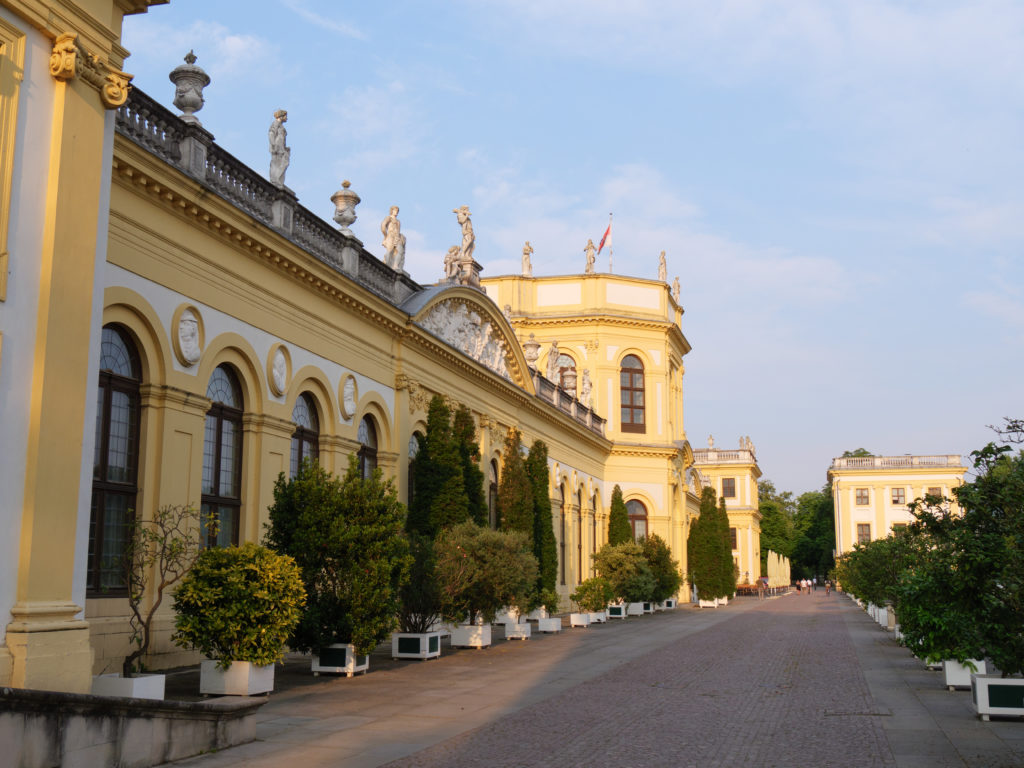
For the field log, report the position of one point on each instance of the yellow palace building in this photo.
(176, 328)
(871, 493)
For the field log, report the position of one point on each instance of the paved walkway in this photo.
(800, 680)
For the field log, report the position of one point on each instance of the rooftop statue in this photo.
(662, 268)
(675, 288)
(527, 266)
(591, 251)
(451, 263)
(394, 240)
(586, 385)
(468, 238)
(711, 441)
(280, 154)
(553, 354)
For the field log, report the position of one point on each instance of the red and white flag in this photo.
(606, 238)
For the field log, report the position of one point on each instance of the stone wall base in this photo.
(42, 728)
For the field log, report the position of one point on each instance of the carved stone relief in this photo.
(419, 398)
(349, 396)
(464, 329)
(278, 365)
(187, 335)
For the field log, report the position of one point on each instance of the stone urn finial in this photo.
(345, 202)
(531, 351)
(189, 81)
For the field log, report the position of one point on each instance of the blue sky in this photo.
(837, 185)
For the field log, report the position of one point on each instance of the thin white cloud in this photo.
(330, 25)
(225, 55)
(1006, 307)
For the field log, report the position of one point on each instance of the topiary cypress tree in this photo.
(515, 492)
(440, 499)
(700, 548)
(545, 549)
(726, 566)
(619, 529)
(464, 434)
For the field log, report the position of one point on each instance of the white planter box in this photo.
(471, 636)
(579, 619)
(242, 678)
(415, 645)
(997, 695)
(338, 659)
(598, 618)
(617, 611)
(549, 625)
(506, 615)
(141, 687)
(537, 614)
(707, 603)
(634, 609)
(723, 600)
(648, 607)
(670, 604)
(517, 631)
(959, 676)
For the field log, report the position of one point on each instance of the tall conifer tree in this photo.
(515, 492)
(726, 567)
(440, 499)
(619, 529)
(544, 546)
(701, 557)
(464, 433)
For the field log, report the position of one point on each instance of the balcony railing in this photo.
(896, 462)
(730, 456)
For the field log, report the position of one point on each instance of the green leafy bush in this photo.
(238, 604)
(347, 538)
(626, 570)
(663, 567)
(480, 571)
(593, 595)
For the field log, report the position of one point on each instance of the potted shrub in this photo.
(593, 596)
(478, 572)
(237, 606)
(419, 617)
(347, 538)
(625, 568)
(549, 605)
(159, 552)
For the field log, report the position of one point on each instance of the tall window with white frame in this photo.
(863, 533)
(413, 449)
(306, 437)
(637, 518)
(729, 487)
(593, 533)
(222, 458)
(561, 535)
(115, 463)
(631, 394)
(367, 436)
(579, 536)
(492, 496)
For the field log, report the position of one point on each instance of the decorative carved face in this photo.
(280, 370)
(188, 337)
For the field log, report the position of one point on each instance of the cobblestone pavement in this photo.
(776, 686)
(796, 681)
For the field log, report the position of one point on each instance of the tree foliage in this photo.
(545, 548)
(814, 524)
(438, 477)
(480, 570)
(464, 434)
(238, 604)
(346, 537)
(593, 595)
(626, 570)
(857, 453)
(726, 566)
(515, 491)
(619, 529)
(703, 549)
(665, 569)
(777, 532)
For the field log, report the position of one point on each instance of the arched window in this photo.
(367, 437)
(566, 365)
(115, 462)
(492, 496)
(593, 533)
(414, 448)
(222, 458)
(579, 536)
(631, 392)
(306, 437)
(637, 518)
(561, 536)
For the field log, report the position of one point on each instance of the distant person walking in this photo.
(828, 587)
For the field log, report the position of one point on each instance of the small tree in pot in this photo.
(627, 571)
(480, 571)
(593, 595)
(346, 536)
(239, 604)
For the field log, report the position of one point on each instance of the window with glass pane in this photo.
(899, 496)
(306, 438)
(222, 458)
(637, 518)
(579, 537)
(732, 538)
(413, 449)
(729, 487)
(593, 533)
(935, 491)
(115, 462)
(492, 497)
(561, 537)
(631, 394)
(863, 533)
(367, 436)
(862, 496)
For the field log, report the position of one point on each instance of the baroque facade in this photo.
(178, 329)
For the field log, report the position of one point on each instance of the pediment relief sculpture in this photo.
(470, 332)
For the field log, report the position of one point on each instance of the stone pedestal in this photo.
(49, 648)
